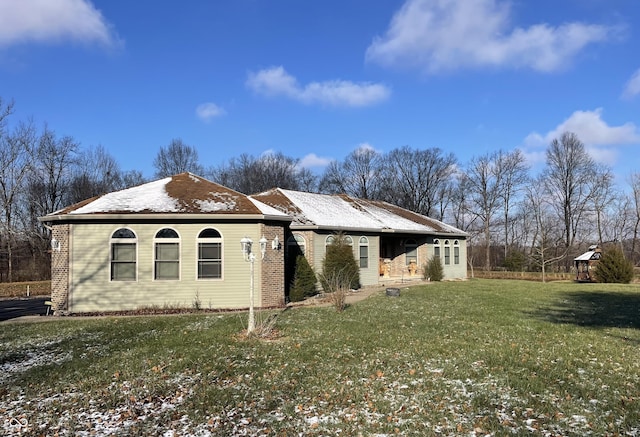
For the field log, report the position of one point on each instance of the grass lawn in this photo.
(482, 357)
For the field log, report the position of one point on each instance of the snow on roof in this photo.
(587, 256)
(182, 193)
(344, 212)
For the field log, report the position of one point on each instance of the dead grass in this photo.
(20, 289)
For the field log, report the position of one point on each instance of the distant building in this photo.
(586, 264)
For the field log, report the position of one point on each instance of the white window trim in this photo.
(210, 240)
(166, 240)
(365, 244)
(122, 240)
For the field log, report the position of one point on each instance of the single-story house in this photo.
(389, 242)
(176, 242)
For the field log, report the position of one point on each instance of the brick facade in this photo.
(273, 286)
(60, 268)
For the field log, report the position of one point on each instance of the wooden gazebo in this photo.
(586, 263)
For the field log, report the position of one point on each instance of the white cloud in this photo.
(598, 137)
(47, 21)
(313, 161)
(208, 111)
(632, 88)
(275, 81)
(440, 35)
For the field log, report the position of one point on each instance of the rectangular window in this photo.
(456, 255)
(167, 261)
(436, 251)
(123, 262)
(412, 255)
(447, 255)
(364, 257)
(209, 260)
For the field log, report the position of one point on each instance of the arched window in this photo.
(436, 248)
(329, 241)
(363, 248)
(447, 253)
(124, 255)
(348, 240)
(209, 254)
(411, 251)
(167, 255)
(456, 252)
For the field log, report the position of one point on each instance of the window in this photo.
(348, 240)
(411, 251)
(436, 248)
(123, 255)
(209, 254)
(167, 255)
(364, 252)
(447, 253)
(456, 252)
(329, 241)
(296, 244)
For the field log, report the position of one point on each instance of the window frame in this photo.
(200, 261)
(447, 253)
(159, 241)
(411, 242)
(456, 252)
(123, 241)
(363, 245)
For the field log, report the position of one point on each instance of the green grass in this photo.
(460, 358)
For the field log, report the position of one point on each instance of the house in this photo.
(389, 242)
(586, 263)
(176, 242)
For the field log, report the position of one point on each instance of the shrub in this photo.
(433, 270)
(613, 267)
(304, 280)
(339, 266)
(515, 261)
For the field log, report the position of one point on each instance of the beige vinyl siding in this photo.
(92, 290)
(369, 275)
(451, 270)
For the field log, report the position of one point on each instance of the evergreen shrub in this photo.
(433, 270)
(613, 267)
(304, 280)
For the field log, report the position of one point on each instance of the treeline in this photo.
(516, 220)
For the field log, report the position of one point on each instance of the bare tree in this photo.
(634, 182)
(545, 237)
(250, 175)
(514, 175)
(97, 173)
(177, 157)
(358, 175)
(51, 172)
(16, 150)
(414, 179)
(483, 180)
(569, 179)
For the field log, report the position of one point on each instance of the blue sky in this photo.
(317, 79)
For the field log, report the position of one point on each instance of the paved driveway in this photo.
(12, 308)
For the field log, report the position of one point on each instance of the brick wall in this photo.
(60, 269)
(273, 267)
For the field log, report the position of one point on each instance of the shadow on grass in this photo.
(594, 309)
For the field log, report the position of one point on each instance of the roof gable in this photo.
(345, 212)
(183, 193)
